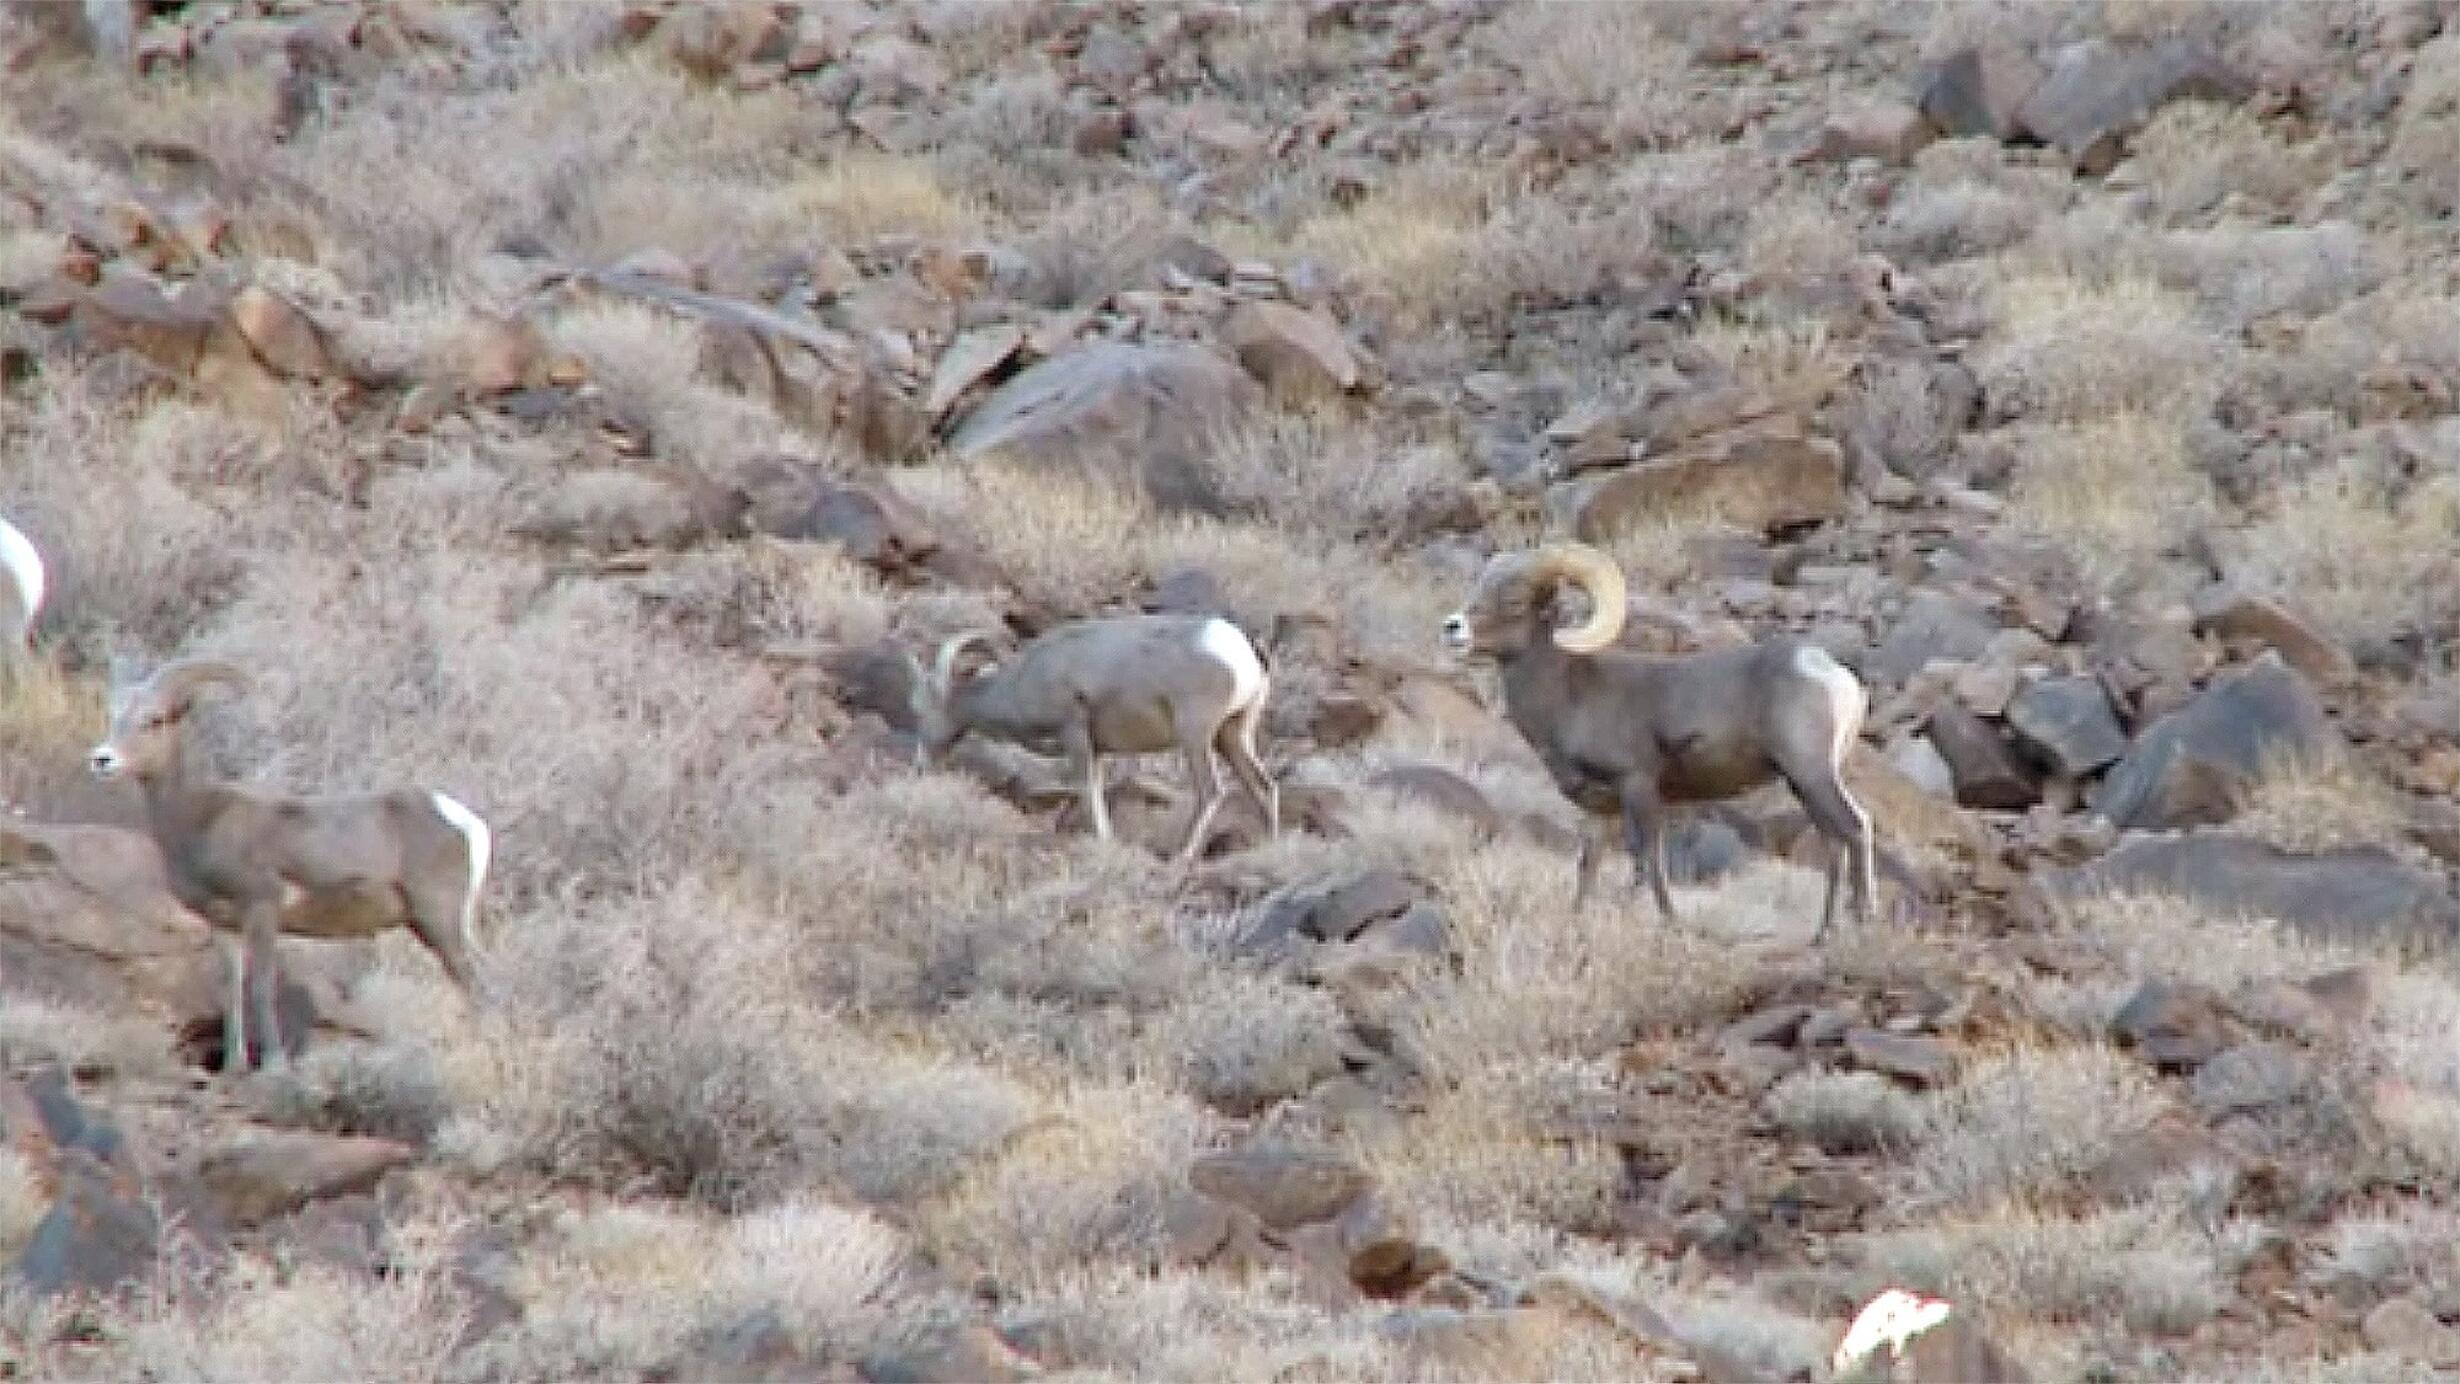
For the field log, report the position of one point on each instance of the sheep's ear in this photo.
(123, 672)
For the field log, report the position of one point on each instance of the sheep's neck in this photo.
(177, 807)
(1534, 680)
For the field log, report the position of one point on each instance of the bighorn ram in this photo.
(1627, 734)
(258, 864)
(21, 594)
(1132, 684)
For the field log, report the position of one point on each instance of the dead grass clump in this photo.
(629, 1291)
(47, 721)
(2194, 154)
(1311, 471)
(2312, 806)
(2152, 1268)
(1844, 1112)
(2030, 1122)
(2375, 567)
(1246, 1042)
(2242, 275)
(1934, 222)
(2151, 935)
(84, 1041)
(858, 197)
(1094, 245)
(1789, 361)
(2116, 491)
(1629, 65)
(2065, 350)
(2416, 1014)
(776, 591)
(1410, 238)
(642, 356)
(1505, 1143)
(1535, 255)
(1085, 1185)
(1062, 539)
(2426, 129)
(394, 1089)
(134, 560)
(262, 1321)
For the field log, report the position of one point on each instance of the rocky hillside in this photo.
(591, 410)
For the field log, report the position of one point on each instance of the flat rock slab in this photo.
(1283, 1186)
(1922, 1061)
(2188, 767)
(2359, 895)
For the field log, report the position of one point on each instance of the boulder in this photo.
(2277, 625)
(130, 310)
(281, 334)
(2360, 895)
(2067, 723)
(968, 360)
(2174, 1026)
(1985, 770)
(1150, 413)
(1935, 624)
(2405, 1327)
(2099, 91)
(1297, 352)
(1767, 476)
(2189, 767)
(1283, 1185)
(263, 1173)
(1922, 1061)
(1889, 131)
(87, 918)
(1978, 90)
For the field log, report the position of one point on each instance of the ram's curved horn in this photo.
(1596, 574)
(176, 683)
(946, 662)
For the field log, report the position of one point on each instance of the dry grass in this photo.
(1410, 238)
(84, 1041)
(2311, 807)
(2067, 350)
(1064, 540)
(2195, 154)
(1844, 1112)
(2029, 1123)
(23, 1202)
(2372, 564)
(1482, 1151)
(2152, 1268)
(2116, 491)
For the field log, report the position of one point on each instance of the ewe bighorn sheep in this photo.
(1133, 684)
(21, 594)
(257, 864)
(1627, 734)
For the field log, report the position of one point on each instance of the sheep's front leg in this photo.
(1644, 834)
(1078, 741)
(235, 1007)
(1596, 837)
(264, 926)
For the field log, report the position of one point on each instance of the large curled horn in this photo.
(946, 662)
(176, 682)
(1595, 573)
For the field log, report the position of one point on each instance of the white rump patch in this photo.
(482, 845)
(1846, 702)
(1891, 1319)
(25, 567)
(1227, 646)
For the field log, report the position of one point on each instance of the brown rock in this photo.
(1285, 1186)
(131, 311)
(1922, 1061)
(1987, 773)
(710, 40)
(2275, 624)
(92, 922)
(2067, 723)
(1149, 413)
(497, 355)
(1297, 352)
(1979, 90)
(264, 1173)
(1767, 476)
(2175, 1026)
(2405, 1328)
(1442, 789)
(1888, 131)
(285, 338)
(2099, 91)
(973, 356)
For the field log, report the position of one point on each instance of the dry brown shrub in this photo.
(1844, 1112)
(2374, 566)
(2067, 350)
(2030, 1122)
(2153, 1267)
(2310, 806)
(2195, 154)
(2115, 491)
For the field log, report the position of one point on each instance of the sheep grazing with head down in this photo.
(1627, 735)
(1128, 684)
(22, 586)
(258, 864)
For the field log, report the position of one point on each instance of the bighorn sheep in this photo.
(1132, 684)
(1628, 734)
(257, 863)
(21, 595)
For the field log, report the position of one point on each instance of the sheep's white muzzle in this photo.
(105, 761)
(1456, 633)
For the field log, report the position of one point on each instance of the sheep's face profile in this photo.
(936, 724)
(143, 739)
(1511, 607)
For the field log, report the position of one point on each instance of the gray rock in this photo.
(2067, 722)
(2188, 768)
(1934, 624)
(1985, 770)
(2359, 895)
(2099, 91)
(1150, 414)
(1978, 90)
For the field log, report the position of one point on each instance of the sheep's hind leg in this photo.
(235, 1007)
(1596, 834)
(264, 981)
(1078, 740)
(1205, 781)
(1832, 809)
(1237, 742)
